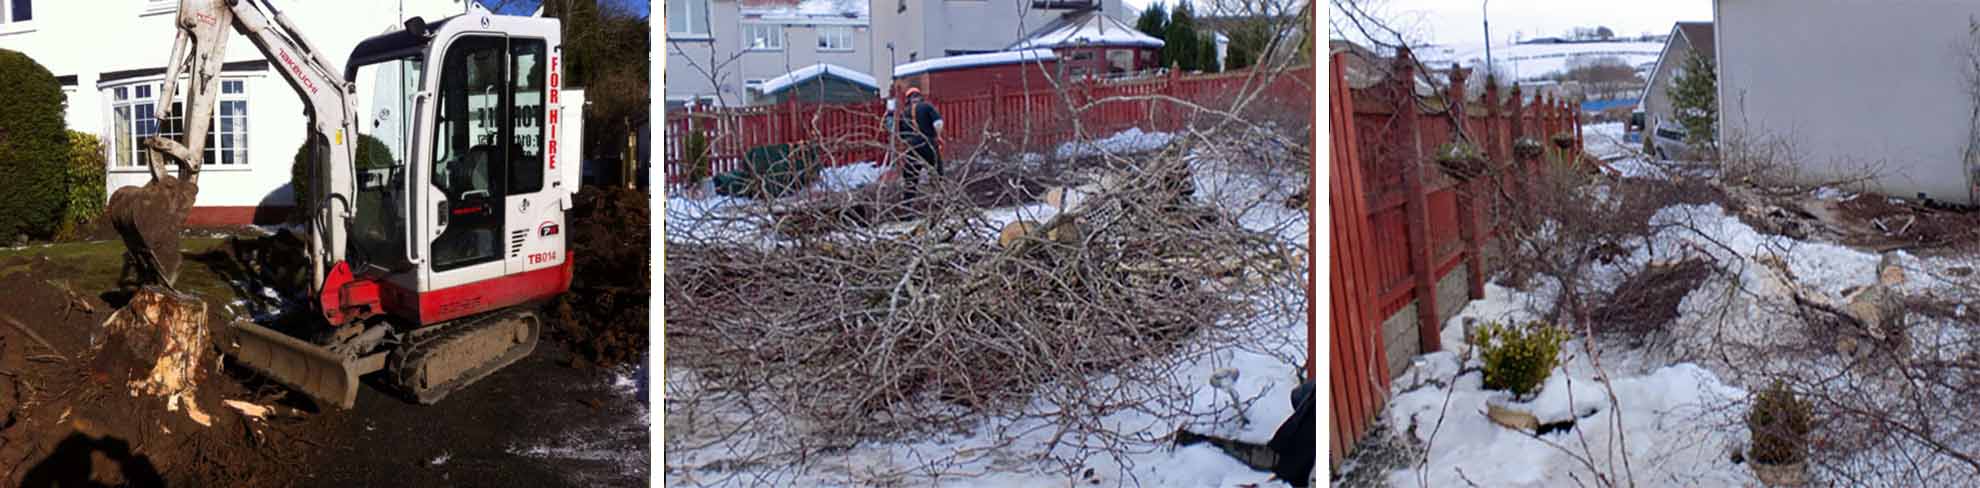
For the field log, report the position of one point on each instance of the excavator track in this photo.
(436, 361)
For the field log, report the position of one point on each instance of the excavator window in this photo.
(385, 91)
(470, 159)
(526, 80)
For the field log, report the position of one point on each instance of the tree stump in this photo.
(156, 346)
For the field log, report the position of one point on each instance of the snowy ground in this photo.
(1680, 399)
(1016, 451)
(618, 444)
(1534, 61)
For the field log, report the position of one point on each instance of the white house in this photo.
(110, 57)
(1853, 88)
(721, 52)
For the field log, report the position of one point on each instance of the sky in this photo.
(525, 7)
(1459, 21)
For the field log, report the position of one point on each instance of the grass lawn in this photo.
(101, 262)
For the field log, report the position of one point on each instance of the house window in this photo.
(18, 11)
(687, 18)
(764, 37)
(835, 38)
(134, 114)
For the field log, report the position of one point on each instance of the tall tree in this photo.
(1206, 54)
(1696, 99)
(605, 51)
(1180, 39)
(1154, 21)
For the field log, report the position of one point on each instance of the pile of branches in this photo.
(927, 325)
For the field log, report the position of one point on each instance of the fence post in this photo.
(1417, 206)
(1467, 201)
(1519, 131)
(1174, 112)
(1577, 128)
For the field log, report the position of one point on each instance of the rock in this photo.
(1511, 417)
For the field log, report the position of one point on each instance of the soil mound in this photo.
(604, 317)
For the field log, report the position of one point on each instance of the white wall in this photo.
(1852, 85)
(90, 38)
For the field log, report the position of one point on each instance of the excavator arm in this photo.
(199, 52)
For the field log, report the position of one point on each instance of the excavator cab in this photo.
(452, 221)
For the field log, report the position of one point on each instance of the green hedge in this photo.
(86, 182)
(371, 153)
(34, 149)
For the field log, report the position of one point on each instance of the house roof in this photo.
(973, 60)
(1085, 28)
(807, 73)
(804, 9)
(1699, 35)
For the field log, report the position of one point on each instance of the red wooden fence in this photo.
(1400, 225)
(1001, 120)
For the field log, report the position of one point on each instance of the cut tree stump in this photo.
(156, 346)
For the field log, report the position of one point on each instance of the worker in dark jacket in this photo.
(921, 129)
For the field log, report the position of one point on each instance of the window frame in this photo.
(823, 38)
(115, 145)
(749, 37)
(693, 20)
(10, 26)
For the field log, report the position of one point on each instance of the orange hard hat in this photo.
(912, 91)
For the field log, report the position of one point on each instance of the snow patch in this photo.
(1095, 30)
(1128, 141)
(806, 73)
(973, 60)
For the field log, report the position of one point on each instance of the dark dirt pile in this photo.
(1906, 223)
(604, 317)
(68, 416)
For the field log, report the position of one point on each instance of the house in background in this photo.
(820, 83)
(1687, 39)
(1090, 44)
(1854, 88)
(259, 121)
(721, 52)
(909, 31)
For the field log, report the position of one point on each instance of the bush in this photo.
(85, 183)
(697, 157)
(1518, 358)
(1779, 422)
(34, 147)
(371, 153)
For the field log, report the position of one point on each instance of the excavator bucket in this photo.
(327, 377)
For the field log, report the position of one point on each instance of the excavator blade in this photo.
(444, 359)
(327, 377)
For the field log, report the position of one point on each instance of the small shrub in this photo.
(1518, 358)
(1779, 422)
(34, 148)
(85, 183)
(697, 156)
